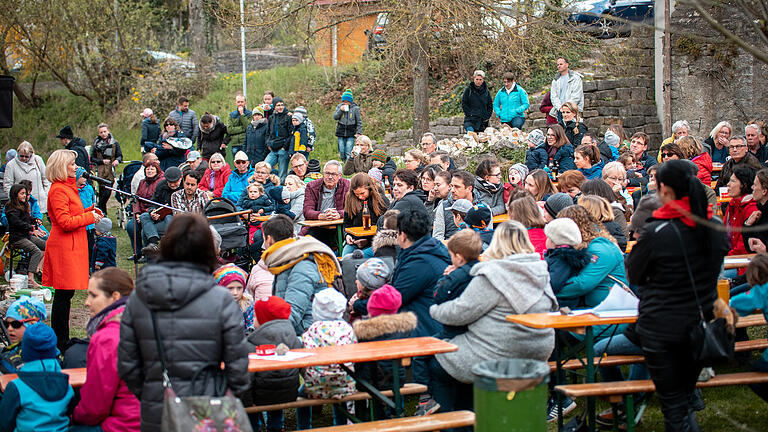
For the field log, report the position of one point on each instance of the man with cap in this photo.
(76, 144)
(278, 136)
(238, 179)
(255, 142)
(20, 314)
(153, 223)
(555, 203)
(38, 399)
(349, 124)
(195, 162)
(237, 123)
(189, 199)
(477, 103)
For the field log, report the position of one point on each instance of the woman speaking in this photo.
(65, 267)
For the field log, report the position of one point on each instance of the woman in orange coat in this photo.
(65, 266)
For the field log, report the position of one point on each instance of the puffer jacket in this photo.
(199, 323)
(494, 200)
(704, 164)
(187, 122)
(593, 172)
(220, 179)
(537, 157)
(348, 123)
(279, 386)
(236, 183)
(105, 149)
(508, 105)
(255, 144)
(279, 131)
(172, 157)
(236, 126)
(210, 141)
(564, 158)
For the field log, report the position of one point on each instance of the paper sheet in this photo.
(618, 303)
(289, 356)
(736, 260)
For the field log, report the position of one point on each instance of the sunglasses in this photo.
(241, 162)
(15, 324)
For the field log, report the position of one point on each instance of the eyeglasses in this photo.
(21, 156)
(298, 165)
(15, 323)
(215, 162)
(498, 174)
(668, 154)
(260, 172)
(238, 162)
(169, 124)
(329, 174)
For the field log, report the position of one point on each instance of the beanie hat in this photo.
(258, 110)
(384, 301)
(229, 273)
(66, 133)
(557, 202)
(39, 343)
(375, 174)
(328, 305)
(216, 237)
(79, 172)
(611, 139)
(478, 217)
(271, 308)
(521, 168)
(373, 273)
(147, 113)
(645, 208)
(563, 231)
(301, 110)
(276, 100)
(298, 116)
(536, 137)
(26, 308)
(347, 96)
(379, 155)
(10, 154)
(104, 225)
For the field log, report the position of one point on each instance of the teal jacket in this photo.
(236, 184)
(750, 301)
(593, 282)
(510, 105)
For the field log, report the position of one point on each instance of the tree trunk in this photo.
(420, 63)
(197, 34)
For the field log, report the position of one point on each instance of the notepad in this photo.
(289, 356)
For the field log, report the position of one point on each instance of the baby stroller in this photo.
(125, 212)
(233, 232)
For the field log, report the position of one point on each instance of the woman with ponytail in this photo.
(680, 244)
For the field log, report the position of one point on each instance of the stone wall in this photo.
(255, 59)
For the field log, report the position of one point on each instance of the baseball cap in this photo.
(479, 216)
(193, 156)
(461, 205)
(241, 156)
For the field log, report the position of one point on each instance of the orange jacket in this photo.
(66, 253)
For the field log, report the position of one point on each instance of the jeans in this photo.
(516, 122)
(274, 421)
(129, 228)
(674, 372)
(345, 147)
(740, 289)
(236, 149)
(62, 301)
(304, 415)
(730, 274)
(349, 249)
(451, 394)
(104, 195)
(760, 389)
(620, 345)
(152, 230)
(475, 125)
(280, 157)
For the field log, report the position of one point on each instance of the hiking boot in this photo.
(568, 405)
(151, 251)
(427, 407)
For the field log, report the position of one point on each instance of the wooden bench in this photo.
(434, 422)
(407, 389)
(751, 321)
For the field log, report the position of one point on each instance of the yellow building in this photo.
(345, 42)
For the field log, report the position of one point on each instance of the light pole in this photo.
(242, 45)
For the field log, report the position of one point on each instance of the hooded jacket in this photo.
(385, 243)
(704, 164)
(299, 139)
(410, 202)
(106, 149)
(593, 172)
(255, 142)
(34, 171)
(173, 156)
(564, 263)
(199, 323)
(564, 158)
(574, 138)
(476, 102)
(593, 283)
(348, 123)
(220, 179)
(508, 105)
(279, 129)
(537, 157)
(380, 328)
(77, 145)
(236, 183)
(150, 133)
(278, 386)
(210, 141)
(236, 126)
(517, 284)
(296, 206)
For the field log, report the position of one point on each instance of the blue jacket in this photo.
(564, 263)
(750, 301)
(595, 172)
(564, 158)
(150, 133)
(298, 286)
(88, 198)
(537, 157)
(105, 251)
(276, 195)
(261, 203)
(255, 144)
(592, 283)
(236, 184)
(450, 287)
(38, 400)
(510, 105)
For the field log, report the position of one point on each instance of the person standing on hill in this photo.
(186, 119)
(476, 103)
(349, 124)
(150, 130)
(106, 155)
(278, 132)
(76, 144)
(238, 122)
(566, 87)
(511, 102)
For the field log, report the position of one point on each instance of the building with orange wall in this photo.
(346, 41)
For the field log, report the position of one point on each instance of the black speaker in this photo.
(6, 101)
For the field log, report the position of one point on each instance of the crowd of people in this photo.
(437, 265)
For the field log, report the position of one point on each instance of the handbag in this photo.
(710, 341)
(220, 413)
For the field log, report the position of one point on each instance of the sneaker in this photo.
(568, 405)
(427, 407)
(605, 417)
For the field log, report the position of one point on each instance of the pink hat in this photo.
(147, 113)
(384, 301)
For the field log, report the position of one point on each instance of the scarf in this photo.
(285, 254)
(492, 188)
(679, 209)
(95, 321)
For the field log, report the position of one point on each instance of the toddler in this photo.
(385, 241)
(370, 276)
(300, 136)
(516, 176)
(563, 259)
(256, 200)
(464, 247)
(105, 248)
(311, 134)
(378, 159)
(476, 217)
(233, 278)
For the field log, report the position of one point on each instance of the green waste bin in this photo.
(511, 395)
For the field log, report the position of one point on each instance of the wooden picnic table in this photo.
(360, 232)
(737, 261)
(334, 223)
(716, 166)
(500, 218)
(76, 378)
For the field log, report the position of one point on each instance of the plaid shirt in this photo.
(195, 205)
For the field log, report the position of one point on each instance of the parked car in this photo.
(594, 16)
(377, 41)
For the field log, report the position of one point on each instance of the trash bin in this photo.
(511, 395)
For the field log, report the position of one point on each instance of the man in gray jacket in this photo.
(566, 87)
(186, 118)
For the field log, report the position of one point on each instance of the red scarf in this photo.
(679, 209)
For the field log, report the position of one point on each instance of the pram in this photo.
(125, 212)
(233, 232)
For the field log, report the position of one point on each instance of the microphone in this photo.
(103, 181)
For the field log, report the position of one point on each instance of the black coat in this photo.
(163, 193)
(20, 223)
(279, 386)
(280, 127)
(255, 144)
(410, 202)
(477, 102)
(210, 142)
(615, 229)
(78, 146)
(574, 138)
(199, 324)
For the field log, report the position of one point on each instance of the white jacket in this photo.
(34, 171)
(575, 93)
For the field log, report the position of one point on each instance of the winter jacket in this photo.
(260, 282)
(450, 287)
(348, 123)
(574, 138)
(593, 172)
(750, 301)
(87, 198)
(381, 328)
(10, 358)
(563, 263)
(546, 108)
(608, 153)
(385, 243)
(730, 165)
(410, 202)
(65, 265)
(187, 123)
(236, 184)
(34, 171)
(278, 386)
(210, 141)
(276, 196)
(517, 284)
(261, 203)
(388, 170)
(150, 133)
(279, 131)
(537, 157)
(255, 142)
(738, 211)
(704, 163)
(574, 93)
(297, 206)
(220, 179)
(104, 398)
(172, 157)
(476, 102)
(593, 283)
(299, 139)
(163, 193)
(146, 190)
(510, 104)
(494, 200)
(328, 381)
(656, 264)
(105, 251)
(761, 154)
(313, 198)
(37, 400)
(20, 223)
(564, 158)
(538, 240)
(199, 324)
(618, 232)
(356, 164)
(106, 149)
(236, 126)
(77, 145)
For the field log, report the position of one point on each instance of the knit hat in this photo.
(611, 139)
(147, 113)
(375, 174)
(173, 174)
(347, 96)
(373, 273)
(79, 172)
(461, 205)
(26, 308)
(39, 343)
(229, 273)
(384, 301)
(536, 137)
(479, 216)
(216, 237)
(104, 225)
(298, 116)
(258, 110)
(563, 231)
(379, 155)
(301, 110)
(645, 208)
(276, 100)
(65, 132)
(271, 308)
(521, 168)
(557, 202)
(193, 156)
(328, 305)
(10, 154)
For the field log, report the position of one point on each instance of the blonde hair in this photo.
(716, 129)
(597, 207)
(574, 109)
(419, 156)
(258, 186)
(689, 146)
(526, 211)
(295, 178)
(509, 238)
(263, 164)
(58, 165)
(25, 148)
(218, 157)
(364, 140)
(614, 166)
